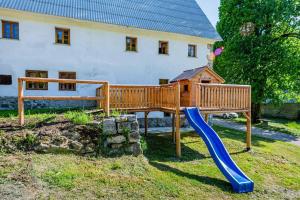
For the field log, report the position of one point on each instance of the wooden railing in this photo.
(133, 97)
(101, 98)
(221, 97)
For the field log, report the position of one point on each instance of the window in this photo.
(36, 74)
(62, 36)
(131, 44)
(186, 88)
(10, 30)
(67, 86)
(205, 81)
(163, 81)
(192, 51)
(163, 47)
(5, 80)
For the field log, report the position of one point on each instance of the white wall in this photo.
(94, 54)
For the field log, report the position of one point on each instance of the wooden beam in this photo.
(21, 102)
(178, 138)
(173, 128)
(61, 98)
(107, 99)
(206, 117)
(54, 80)
(146, 123)
(249, 131)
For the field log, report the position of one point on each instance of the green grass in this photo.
(78, 117)
(291, 127)
(274, 167)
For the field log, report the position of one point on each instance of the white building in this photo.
(124, 42)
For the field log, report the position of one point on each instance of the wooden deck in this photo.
(210, 98)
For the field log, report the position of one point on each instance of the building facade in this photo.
(38, 44)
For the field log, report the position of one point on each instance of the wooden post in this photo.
(206, 118)
(107, 98)
(173, 128)
(178, 144)
(146, 123)
(21, 102)
(248, 134)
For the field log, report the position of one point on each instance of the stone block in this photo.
(116, 140)
(109, 126)
(116, 146)
(123, 126)
(135, 126)
(134, 149)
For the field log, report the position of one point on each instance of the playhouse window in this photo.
(67, 86)
(205, 81)
(36, 74)
(5, 80)
(186, 88)
(192, 50)
(163, 81)
(62, 36)
(131, 44)
(10, 30)
(163, 47)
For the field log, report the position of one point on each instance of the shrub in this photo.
(78, 117)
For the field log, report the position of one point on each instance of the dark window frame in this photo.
(11, 32)
(67, 86)
(5, 79)
(194, 55)
(163, 81)
(185, 88)
(163, 50)
(37, 85)
(131, 44)
(63, 39)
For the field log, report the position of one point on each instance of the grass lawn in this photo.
(291, 127)
(273, 166)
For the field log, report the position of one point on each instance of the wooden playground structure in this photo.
(209, 98)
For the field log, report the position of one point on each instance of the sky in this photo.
(210, 8)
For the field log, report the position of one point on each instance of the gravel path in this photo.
(236, 126)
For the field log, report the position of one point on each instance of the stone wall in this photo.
(288, 110)
(11, 103)
(106, 137)
(121, 135)
(162, 122)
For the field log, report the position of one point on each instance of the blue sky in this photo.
(210, 8)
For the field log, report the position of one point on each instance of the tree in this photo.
(261, 40)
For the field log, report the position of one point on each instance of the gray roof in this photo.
(188, 74)
(175, 16)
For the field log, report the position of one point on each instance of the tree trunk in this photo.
(256, 112)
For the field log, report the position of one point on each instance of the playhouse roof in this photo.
(175, 16)
(189, 74)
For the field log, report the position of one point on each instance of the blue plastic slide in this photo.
(239, 181)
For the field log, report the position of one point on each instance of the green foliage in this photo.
(79, 117)
(269, 57)
(61, 178)
(26, 143)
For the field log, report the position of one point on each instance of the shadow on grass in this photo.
(223, 185)
(241, 136)
(160, 147)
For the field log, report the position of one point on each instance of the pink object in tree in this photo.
(219, 51)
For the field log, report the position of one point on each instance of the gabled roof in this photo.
(175, 16)
(189, 74)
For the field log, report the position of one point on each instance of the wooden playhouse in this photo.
(189, 78)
